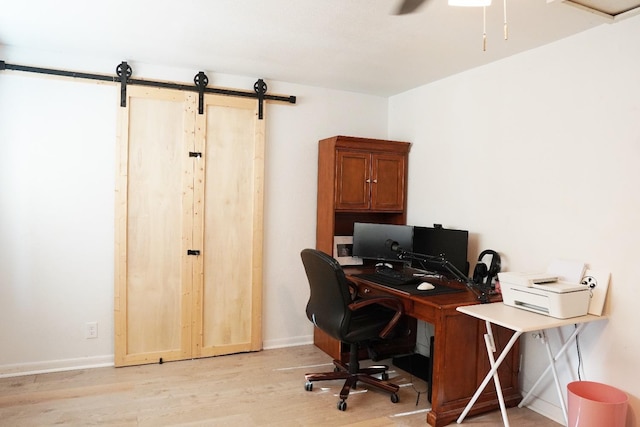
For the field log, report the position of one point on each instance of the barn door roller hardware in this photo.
(124, 73)
(201, 80)
(260, 87)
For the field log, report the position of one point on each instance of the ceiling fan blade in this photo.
(409, 6)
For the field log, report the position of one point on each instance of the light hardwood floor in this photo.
(253, 389)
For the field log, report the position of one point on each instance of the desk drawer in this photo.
(369, 291)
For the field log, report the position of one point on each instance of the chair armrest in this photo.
(390, 302)
(353, 289)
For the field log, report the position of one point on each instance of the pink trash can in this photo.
(593, 404)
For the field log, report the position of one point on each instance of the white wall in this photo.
(56, 222)
(293, 133)
(538, 157)
(57, 149)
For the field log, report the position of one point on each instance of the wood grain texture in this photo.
(251, 389)
(188, 181)
(151, 315)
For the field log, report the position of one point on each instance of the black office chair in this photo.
(333, 308)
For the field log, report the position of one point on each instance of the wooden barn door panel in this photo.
(186, 182)
(154, 206)
(231, 288)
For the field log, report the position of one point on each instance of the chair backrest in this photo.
(329, 299)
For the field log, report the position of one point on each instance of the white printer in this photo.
(543, 293)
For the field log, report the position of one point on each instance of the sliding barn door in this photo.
(229, 298)
(188, 227)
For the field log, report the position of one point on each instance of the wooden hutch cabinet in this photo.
(370, 181)
(365, 180)
(359, 180)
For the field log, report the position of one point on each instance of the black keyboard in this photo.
(396, 278)
(390, 272)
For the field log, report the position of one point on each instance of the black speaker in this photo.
(485, 272)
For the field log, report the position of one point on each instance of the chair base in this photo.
(352, 376)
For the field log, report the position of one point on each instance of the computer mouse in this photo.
(425, 286)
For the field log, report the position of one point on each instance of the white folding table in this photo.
(519, 321)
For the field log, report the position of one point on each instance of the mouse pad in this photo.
(412, 289)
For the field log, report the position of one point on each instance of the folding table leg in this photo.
(493, 371)
(491, 348)
(552, 360)
(552, 364)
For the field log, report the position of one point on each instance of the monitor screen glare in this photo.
(437, 241)
(370, 240)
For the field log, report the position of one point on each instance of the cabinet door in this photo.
(388, 182)
(370, 181)
(353, 180)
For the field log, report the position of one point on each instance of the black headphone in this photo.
(483, 275)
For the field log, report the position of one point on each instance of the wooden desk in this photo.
(459, 355)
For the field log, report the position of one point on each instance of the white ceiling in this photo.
(353, 45)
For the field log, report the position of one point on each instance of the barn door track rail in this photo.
(124, 73)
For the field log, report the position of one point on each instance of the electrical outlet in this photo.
(91, 330)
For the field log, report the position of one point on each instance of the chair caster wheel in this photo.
(395, 398)
(342, 405)
(308, 386)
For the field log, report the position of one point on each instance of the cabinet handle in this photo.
(368, 181)
(366, 290)
(375, 181)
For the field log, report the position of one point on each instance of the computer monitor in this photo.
(370, 241)
(437, 241)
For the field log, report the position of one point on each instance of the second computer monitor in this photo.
(437, 241)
